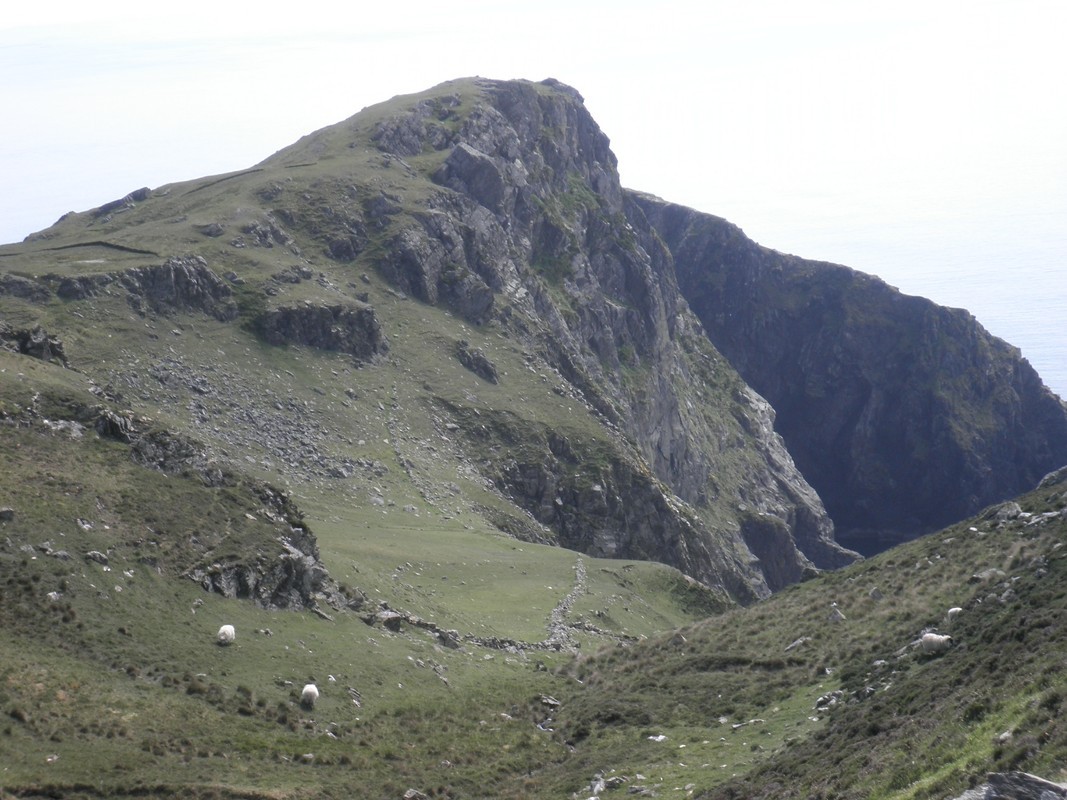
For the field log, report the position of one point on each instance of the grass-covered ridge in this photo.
(411, 502)
(112, 684)
(738, 695)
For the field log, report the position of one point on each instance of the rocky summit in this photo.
(570, 381)
(720, 397)
(434, 417)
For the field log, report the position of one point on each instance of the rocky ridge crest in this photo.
(533, 233)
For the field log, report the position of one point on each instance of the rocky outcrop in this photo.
(179, 284)
(620, 511)
(24, 288)
(34, 342)
(291, 579)
(286, 573)
(904, 415)
(1015, 786)
(474, 359)
(530, 229)
(428, 261)
(123, 203)
(351, 328)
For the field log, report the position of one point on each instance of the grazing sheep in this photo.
(226, 635)
(953, 613)
(935, 642)
(309, 695)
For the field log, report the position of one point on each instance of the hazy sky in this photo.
(925, 142)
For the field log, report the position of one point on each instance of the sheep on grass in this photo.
(935, 642)
(309, 695)
(226, 635)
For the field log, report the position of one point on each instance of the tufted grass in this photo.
(118, 685)
(118, 689)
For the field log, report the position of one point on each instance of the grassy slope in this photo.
(118, 684)
(932, 724)
(97, 702)
(117, 692)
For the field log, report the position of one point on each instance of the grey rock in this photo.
(123, 203)
(24, 288)
(405, 134)
(479, 176)
(179, 284)
(1008, 512)
(351, 328)
(1015, 786)
(857, 371)
(391, 620)
(34, 342)
(113, 425)
(986, 575)
(1054, 477)
(476, 361)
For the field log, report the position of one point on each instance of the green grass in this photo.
(930, 724)
(119, 682)
(116, 687)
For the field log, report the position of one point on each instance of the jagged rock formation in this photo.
(904, 415)
(351, 328)
(532, 232)
(180, 283)
(498, 206)
(35, 342)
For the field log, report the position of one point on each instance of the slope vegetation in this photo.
(493, 668)
(417, 405)
(824, 690)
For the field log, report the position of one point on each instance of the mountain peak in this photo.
(444, 421)
(495, 209)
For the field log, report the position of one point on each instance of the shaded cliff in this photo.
(904, 415)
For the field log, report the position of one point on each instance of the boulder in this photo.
(476, 361)
(351, 328)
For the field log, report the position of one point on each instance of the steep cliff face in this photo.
(531, 230)
(556, 366)
(904, 415)
(505, 207)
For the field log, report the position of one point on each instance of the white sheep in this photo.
(309, 695)
(935, 642)
(226, 634)
(953, 613)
